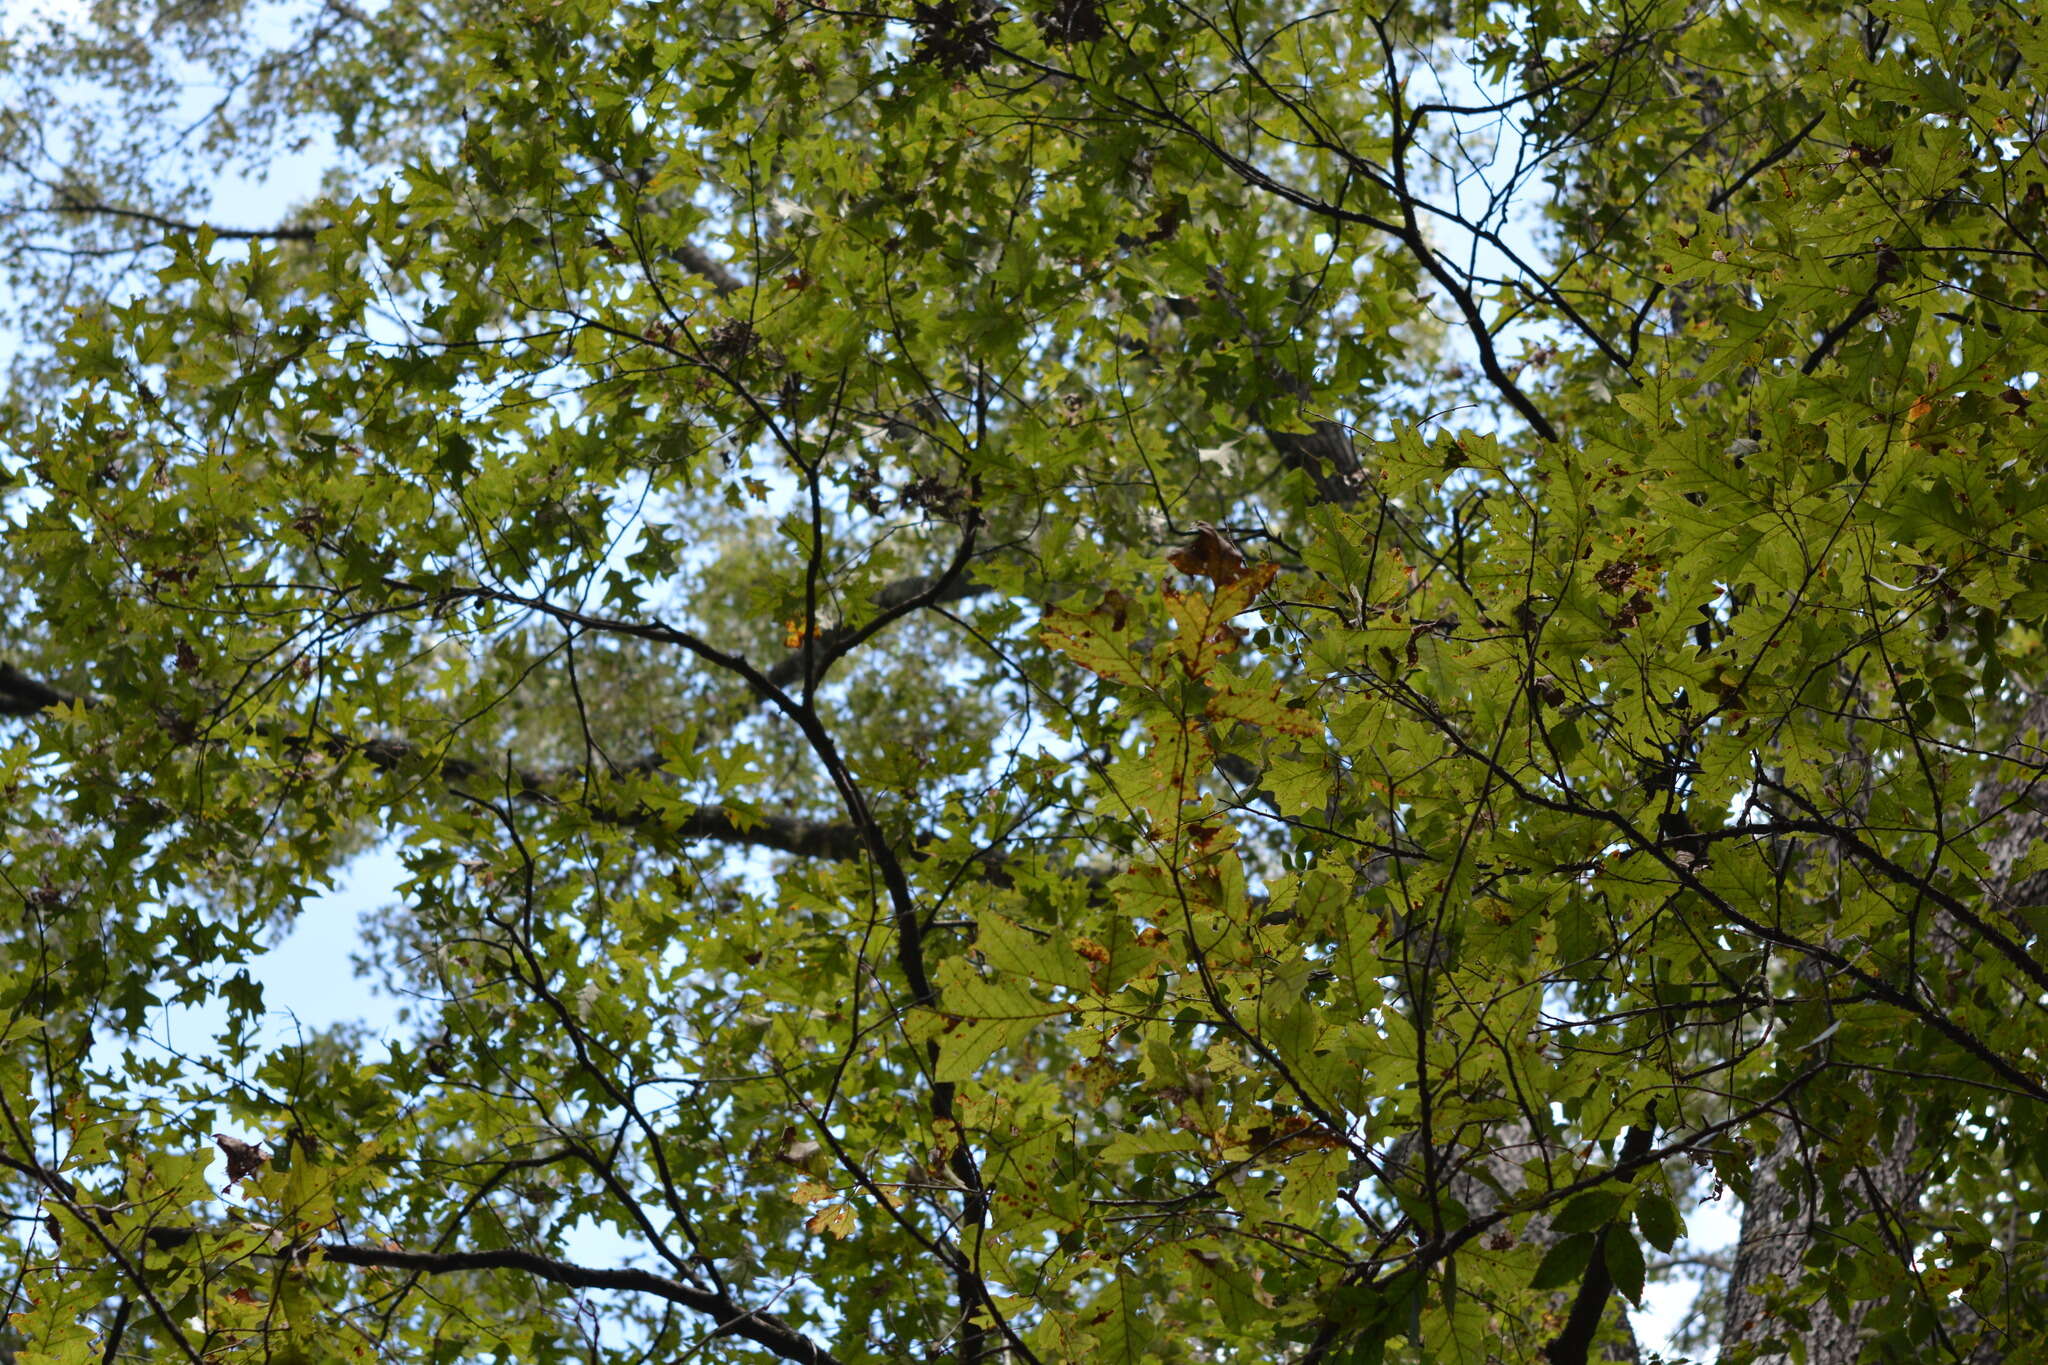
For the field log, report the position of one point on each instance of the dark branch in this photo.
(763, 1329)
(781, 833)
(300, 233)
(723, 281)
(1632, 1159)
(115, 1331)
(21, 695)
(1777, 154)
(1575, 1339)
(1832, 338)
(922, 590)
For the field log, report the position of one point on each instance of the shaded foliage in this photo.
(1110, 682)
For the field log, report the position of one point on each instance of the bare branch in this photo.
(281, 233)
(763, 1329)
(21, 695)
(701, 262)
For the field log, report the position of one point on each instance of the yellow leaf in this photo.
(1098, 641)
(836, 1219)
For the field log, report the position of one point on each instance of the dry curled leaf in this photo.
(1210, 555)
(243, 1158)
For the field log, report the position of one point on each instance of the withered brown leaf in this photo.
(243, 1158)
(1210, 555)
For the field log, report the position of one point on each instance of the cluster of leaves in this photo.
(1014, 730)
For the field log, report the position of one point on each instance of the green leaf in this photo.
(1588, 1212)
(1658, 1219)
(1564, 739)
(1565, 1263)
(1624, 1261)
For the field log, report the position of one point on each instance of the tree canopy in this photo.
(1100, 680)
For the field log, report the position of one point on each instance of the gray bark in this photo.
(1779, 1225)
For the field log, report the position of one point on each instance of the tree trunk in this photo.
(1780, 1223)
(1782, 1219)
